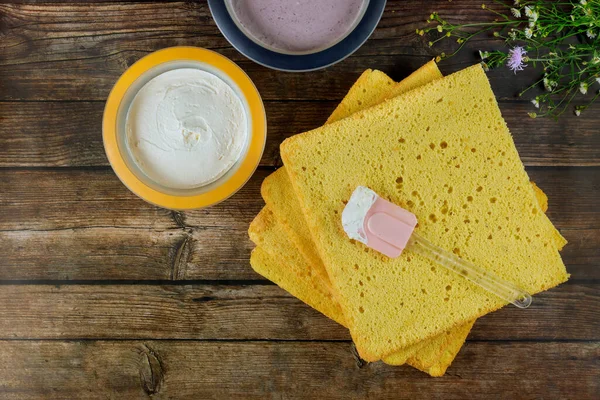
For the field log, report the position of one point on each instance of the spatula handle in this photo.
(503, 289)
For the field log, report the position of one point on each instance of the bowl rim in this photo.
(297, 62)
(247, 165)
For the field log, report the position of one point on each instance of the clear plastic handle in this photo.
(503, 289)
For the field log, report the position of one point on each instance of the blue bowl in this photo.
(302, 62)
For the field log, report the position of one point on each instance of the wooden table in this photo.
(105, 296)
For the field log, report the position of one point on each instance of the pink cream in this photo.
(297, 26)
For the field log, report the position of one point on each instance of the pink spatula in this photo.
(389, 229)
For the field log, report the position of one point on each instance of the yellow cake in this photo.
(372, 87)
(282, 264)
(308, 289)
(362, 93)
(280, 198)
(442, 151)
(365, 92)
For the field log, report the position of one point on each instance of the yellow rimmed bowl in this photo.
(115, 115)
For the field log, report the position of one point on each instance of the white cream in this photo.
(186, 128)
(354, 213)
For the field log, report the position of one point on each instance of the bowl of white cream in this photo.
(184, 128)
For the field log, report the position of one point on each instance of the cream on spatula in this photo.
(389, 229)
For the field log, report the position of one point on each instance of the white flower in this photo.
(536, 102)
(483, 54)
(515, 12)
(598, 80)
(549, 85)
(535, 16)
(578, 112)
(516, 2)
(528, 33)
(590, 34)
(583, 2)
(583, 87)
(528, 11)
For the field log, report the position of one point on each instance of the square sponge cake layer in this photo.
(443, 152)
(371, 88)
(277, 259)
(286, 268)
(283, 265)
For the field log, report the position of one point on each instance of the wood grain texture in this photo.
(51, 199)
(290, 370)
(65, 224)
(51, 134)
(250, 312)
(127, 254)
(96, 229)
(160, 312)
(84, 47)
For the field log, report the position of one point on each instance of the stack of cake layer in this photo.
(439, 148)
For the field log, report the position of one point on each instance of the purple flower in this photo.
(516, 58)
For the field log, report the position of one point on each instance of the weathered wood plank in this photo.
(561, 302)
(96, 229)
(128, 254)
(291, 370)
(77, 51)
(159, 311)
(50, 199)
(249, 312)
(71, 224)
(48, 134)
(572, 194)
(582, 254)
